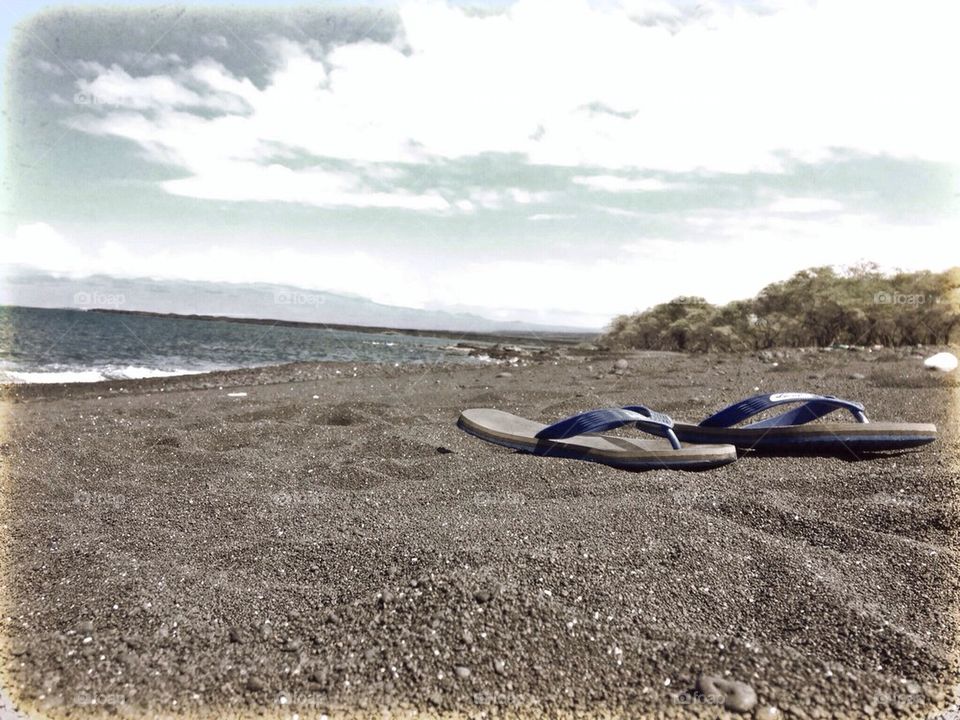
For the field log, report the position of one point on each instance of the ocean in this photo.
(58, 346)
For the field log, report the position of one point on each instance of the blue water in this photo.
(39, 345)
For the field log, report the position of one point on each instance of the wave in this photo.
(85, 375)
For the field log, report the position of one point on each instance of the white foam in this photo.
(67, 376)
(110, 372)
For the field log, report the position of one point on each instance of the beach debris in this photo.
(737, 696)
(444, 450)
(942, 361)
(462, 671)
(237, 394)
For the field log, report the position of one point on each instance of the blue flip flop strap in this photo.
(814, 406)
(608, 418)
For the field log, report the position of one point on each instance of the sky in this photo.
(556, 161)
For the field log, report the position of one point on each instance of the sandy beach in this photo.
(322, 539)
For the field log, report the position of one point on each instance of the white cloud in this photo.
(804, 205)
(617, 184)
(729, 90)
(571, 285)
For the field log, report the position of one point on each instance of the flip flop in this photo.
(574, 437)
(789, 431)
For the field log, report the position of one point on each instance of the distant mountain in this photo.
(29, 287)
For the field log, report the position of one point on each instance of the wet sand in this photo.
(330, 542)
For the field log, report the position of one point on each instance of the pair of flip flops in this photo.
(711, 443)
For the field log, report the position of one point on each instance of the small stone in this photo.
(621, 364)
(462, 671)
(435, 698)
(234, 635)
(85, 627)
(254, 684)
(857, 376)
(292, 646)
(18, 648)
(767, 712)
(504, 375)
(500, 667)
(468, 637)
(737, 696)
(482, 596)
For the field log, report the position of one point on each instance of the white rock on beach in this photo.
(942, 361)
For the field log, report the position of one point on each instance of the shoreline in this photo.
(301, 540)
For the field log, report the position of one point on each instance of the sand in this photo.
(330, 543)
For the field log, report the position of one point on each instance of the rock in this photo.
(737, 696)
(292, 646)
(18, 648)
(942, 361)
(500, 667)
(621, 364)
(462, 671)
(504, 375)
(857, 376)
(254, 684)
(767, 712)
(435, 698)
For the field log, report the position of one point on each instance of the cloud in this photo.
(616, 184)
(719, 90)
(804, 205)
(569, 284)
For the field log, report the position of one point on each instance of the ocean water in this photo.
(56, 346)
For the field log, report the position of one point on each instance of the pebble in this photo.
(462, 671)
(85, 627)
(292, 646)
(500, 667)
(17, 649)
(234, 635)
(435, 698)
(254, 683)
(504, 375)
(857, 376)
(737, 696)
(767, 712)
(482, 596)
(621, 364)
